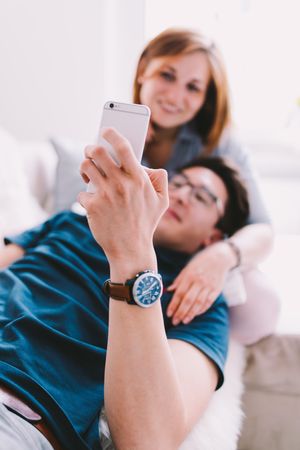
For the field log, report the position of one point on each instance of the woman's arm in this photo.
(10, 254)
(255, 242)
(201, 281)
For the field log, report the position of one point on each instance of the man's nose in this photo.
(182, 194)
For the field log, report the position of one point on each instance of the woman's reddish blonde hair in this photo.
(214, 115)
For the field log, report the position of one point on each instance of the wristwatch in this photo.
(143, 290)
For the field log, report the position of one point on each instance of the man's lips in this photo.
(173, 214)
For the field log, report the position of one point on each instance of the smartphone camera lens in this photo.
(111, 105)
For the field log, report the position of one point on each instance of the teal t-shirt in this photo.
(54, 326)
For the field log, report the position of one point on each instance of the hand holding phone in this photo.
(129, 119)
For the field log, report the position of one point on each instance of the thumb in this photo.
(84, 198)
(159, 179)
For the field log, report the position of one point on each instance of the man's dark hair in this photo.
(237, 207)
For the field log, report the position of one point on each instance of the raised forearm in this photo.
(141, 382)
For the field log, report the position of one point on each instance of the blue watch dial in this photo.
(147, 289)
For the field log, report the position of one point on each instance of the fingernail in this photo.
(169, 313)
(186, 320)
(175, 322)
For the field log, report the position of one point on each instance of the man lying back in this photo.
(70, 345)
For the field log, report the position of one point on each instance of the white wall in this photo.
(61, 59)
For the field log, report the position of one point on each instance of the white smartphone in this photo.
(129, 119)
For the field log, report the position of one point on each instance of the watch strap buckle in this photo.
(117, 291)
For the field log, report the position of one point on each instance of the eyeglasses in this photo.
(198, 194)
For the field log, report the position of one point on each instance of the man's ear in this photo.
(215, 236)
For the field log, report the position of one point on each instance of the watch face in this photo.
(147, 289)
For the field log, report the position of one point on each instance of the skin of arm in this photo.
(10, 254)
(149, 381)
(255, 242)
(201, 281)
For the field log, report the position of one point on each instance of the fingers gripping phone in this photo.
(129, 119)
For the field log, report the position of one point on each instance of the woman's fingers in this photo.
(178, 296)
(195, 301)
(190, 299)
(199, 306)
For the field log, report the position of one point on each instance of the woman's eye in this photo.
(167, 76)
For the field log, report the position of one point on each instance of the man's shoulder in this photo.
(67, 225)
(170, 263)
(68, 217)
(171, 258)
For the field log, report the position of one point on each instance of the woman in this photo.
(181, 77)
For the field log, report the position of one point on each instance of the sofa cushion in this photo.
(19, 208)
(68, 180)
(39, 161)
(271, 401)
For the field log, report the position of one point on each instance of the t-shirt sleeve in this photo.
(209, 332)
(30, 238)
(230, 148)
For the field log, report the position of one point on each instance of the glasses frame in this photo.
(216, 200)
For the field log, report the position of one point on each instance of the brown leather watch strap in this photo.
(117, 291)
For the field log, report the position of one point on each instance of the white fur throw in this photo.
(220, 426)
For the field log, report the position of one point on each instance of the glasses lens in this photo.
(202, 195)
(198, 194)
(177, 182)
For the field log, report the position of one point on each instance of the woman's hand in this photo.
(199, 283)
